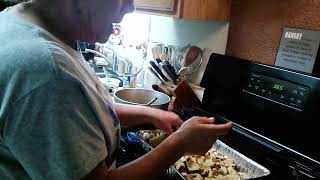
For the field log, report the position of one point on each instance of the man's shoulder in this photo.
(22, 46)
(25, 45)
(28, 55)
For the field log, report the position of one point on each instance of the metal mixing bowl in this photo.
(135, 96)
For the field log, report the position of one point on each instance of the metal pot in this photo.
(136, 96)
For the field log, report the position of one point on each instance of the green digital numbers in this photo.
(278, 87)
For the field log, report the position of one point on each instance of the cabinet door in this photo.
(155, 5)
(212, 10)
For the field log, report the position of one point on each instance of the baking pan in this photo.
(245, 166)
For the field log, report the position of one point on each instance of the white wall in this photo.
(209, 35)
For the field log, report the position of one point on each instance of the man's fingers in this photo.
(204, 120)
(177, 122)
(168, 130)
(220, 129)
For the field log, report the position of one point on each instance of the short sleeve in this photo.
(54, 134)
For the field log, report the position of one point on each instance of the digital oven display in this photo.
(278, 90)
(278, 87)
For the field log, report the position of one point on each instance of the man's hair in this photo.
(6, 3)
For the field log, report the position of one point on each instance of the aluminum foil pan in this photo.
(245, 166)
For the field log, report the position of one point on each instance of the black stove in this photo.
(274, 112)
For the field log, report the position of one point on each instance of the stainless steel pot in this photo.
(136, 96)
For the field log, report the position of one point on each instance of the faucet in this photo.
(98, 53)
(116, 60)
(128, 64)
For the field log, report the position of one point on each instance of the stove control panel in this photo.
(279, 91)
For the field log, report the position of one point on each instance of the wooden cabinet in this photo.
(210, 10)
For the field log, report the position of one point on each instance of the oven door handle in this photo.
(247, 134)
(242, 130)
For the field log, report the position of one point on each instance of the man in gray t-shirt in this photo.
(56, 120)
(55, 117)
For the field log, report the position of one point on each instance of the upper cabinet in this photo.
(161, 7)
(211, 10)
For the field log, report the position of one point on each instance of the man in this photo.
(56, 120)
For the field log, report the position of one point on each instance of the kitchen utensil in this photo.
(191, 55)
(165, 74)
(157, 88)
(152, 101)
(192, 68)
(164, 57)
(159, 72)
(158, 60)
(156, 51)
(178, 57)
(183, 71)
(155, 74)
(162, 89)
(136, 96)
(168, 73)
(185, 95)
(172, 70)
(170, 49)
(167, 83)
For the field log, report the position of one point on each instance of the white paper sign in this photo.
(298, 49)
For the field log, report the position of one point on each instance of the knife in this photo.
(159, 72)
(168, 72)
(155, 74)
(172, 70)
(158, 60)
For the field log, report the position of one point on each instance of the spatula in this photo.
(191, 55)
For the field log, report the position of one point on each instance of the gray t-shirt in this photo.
(56, 121)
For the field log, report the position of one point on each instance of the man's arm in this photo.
(131, 115)
(149, 166)
(196, 136)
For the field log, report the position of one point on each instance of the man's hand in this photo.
(165, 120)
(198, 134)
(131, 116)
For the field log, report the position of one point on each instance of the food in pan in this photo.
(153, 138)
(211, 166)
